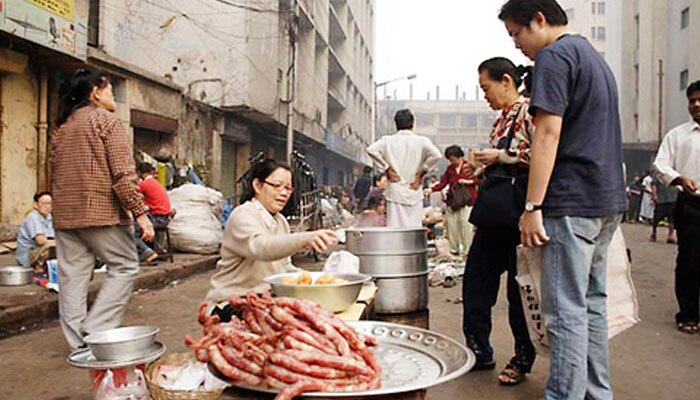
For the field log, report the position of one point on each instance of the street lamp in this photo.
(377, 85)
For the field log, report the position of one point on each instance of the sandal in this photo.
(511, 376)
(690, 328)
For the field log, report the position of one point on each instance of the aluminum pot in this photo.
(122, 344)
(386, 241)
(15, 276)
(333, 297)
(378, 265)
(399, 294)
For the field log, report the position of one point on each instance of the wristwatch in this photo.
(530, 206)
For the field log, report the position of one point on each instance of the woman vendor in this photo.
(257, 241)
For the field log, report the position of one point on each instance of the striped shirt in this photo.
(93, 172)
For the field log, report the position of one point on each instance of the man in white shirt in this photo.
(678, 164)
(406, 158)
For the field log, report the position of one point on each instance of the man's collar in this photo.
(268, 218)
(405, 131)
(695, 124)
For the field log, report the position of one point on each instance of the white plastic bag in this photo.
(196, 227)
(622, 305)
(342, 262)
(133, 389)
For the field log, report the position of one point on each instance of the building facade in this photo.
(466, 123)
(660, 59)
(201, 83)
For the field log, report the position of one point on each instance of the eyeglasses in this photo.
(279, 186)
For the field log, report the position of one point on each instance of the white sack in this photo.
(196, 227)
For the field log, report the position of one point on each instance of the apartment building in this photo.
(198, 82)
(660, 59)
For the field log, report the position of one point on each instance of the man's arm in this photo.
(376, 153)
(542, 159)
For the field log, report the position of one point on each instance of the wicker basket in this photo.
(160, 393)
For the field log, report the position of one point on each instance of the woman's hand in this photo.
(487, 157)
(320, 240)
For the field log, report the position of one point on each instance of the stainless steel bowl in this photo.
(15, 276)
(122, 344)
(334, 297)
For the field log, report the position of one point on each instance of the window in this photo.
(601, 8)
(601, 33)
(593, 32)
(448, 120)
(570, 13)
(469, 120)
(94, 23)
(684, 79)
(685, 18)
(423, 120)
(593, 7)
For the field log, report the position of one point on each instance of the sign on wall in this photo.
(60, 25)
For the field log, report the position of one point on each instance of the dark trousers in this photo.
(687, 223)
(492, 253)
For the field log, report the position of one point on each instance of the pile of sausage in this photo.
(287, 344)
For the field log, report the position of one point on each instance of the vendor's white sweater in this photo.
(256, 244)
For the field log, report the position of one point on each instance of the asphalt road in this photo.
(650, 361)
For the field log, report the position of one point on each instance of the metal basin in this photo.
(333, 297)
(386, 241)
(15, 276)
(122, 344)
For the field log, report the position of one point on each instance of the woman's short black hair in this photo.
(498, 67)
(694, 87)
(261, 171)
(39, 195)
(404, 119)
(454, 151)
(76, 92)
(523, 11)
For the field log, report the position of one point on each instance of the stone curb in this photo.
(17, 318)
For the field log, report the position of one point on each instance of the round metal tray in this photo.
(84, 359)
(411, 359)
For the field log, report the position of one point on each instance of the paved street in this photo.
(650, 361)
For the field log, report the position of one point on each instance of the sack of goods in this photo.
(196, 227)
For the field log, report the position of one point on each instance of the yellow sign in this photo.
(62, 8)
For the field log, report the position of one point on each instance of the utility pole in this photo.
(661, 100)
(291, 77)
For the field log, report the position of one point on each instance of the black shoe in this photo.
(484, 365)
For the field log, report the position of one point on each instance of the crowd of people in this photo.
(556, 142)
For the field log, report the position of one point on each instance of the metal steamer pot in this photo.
(399, 294)
(15, 276)
(397, 259)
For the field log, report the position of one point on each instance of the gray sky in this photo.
(441, 41)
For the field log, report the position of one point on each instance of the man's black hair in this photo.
(367, 170)
(694, 87)
(523, 11)
(145, 168)
(404, 119)
(40, 195)
(454, 151)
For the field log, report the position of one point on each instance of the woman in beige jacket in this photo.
(257, 241)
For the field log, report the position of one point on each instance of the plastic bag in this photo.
(342, 262)
(122, 384)
(622, 305)
(196, 227)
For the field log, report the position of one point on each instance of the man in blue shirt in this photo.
(35, 241)
(576, 192)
